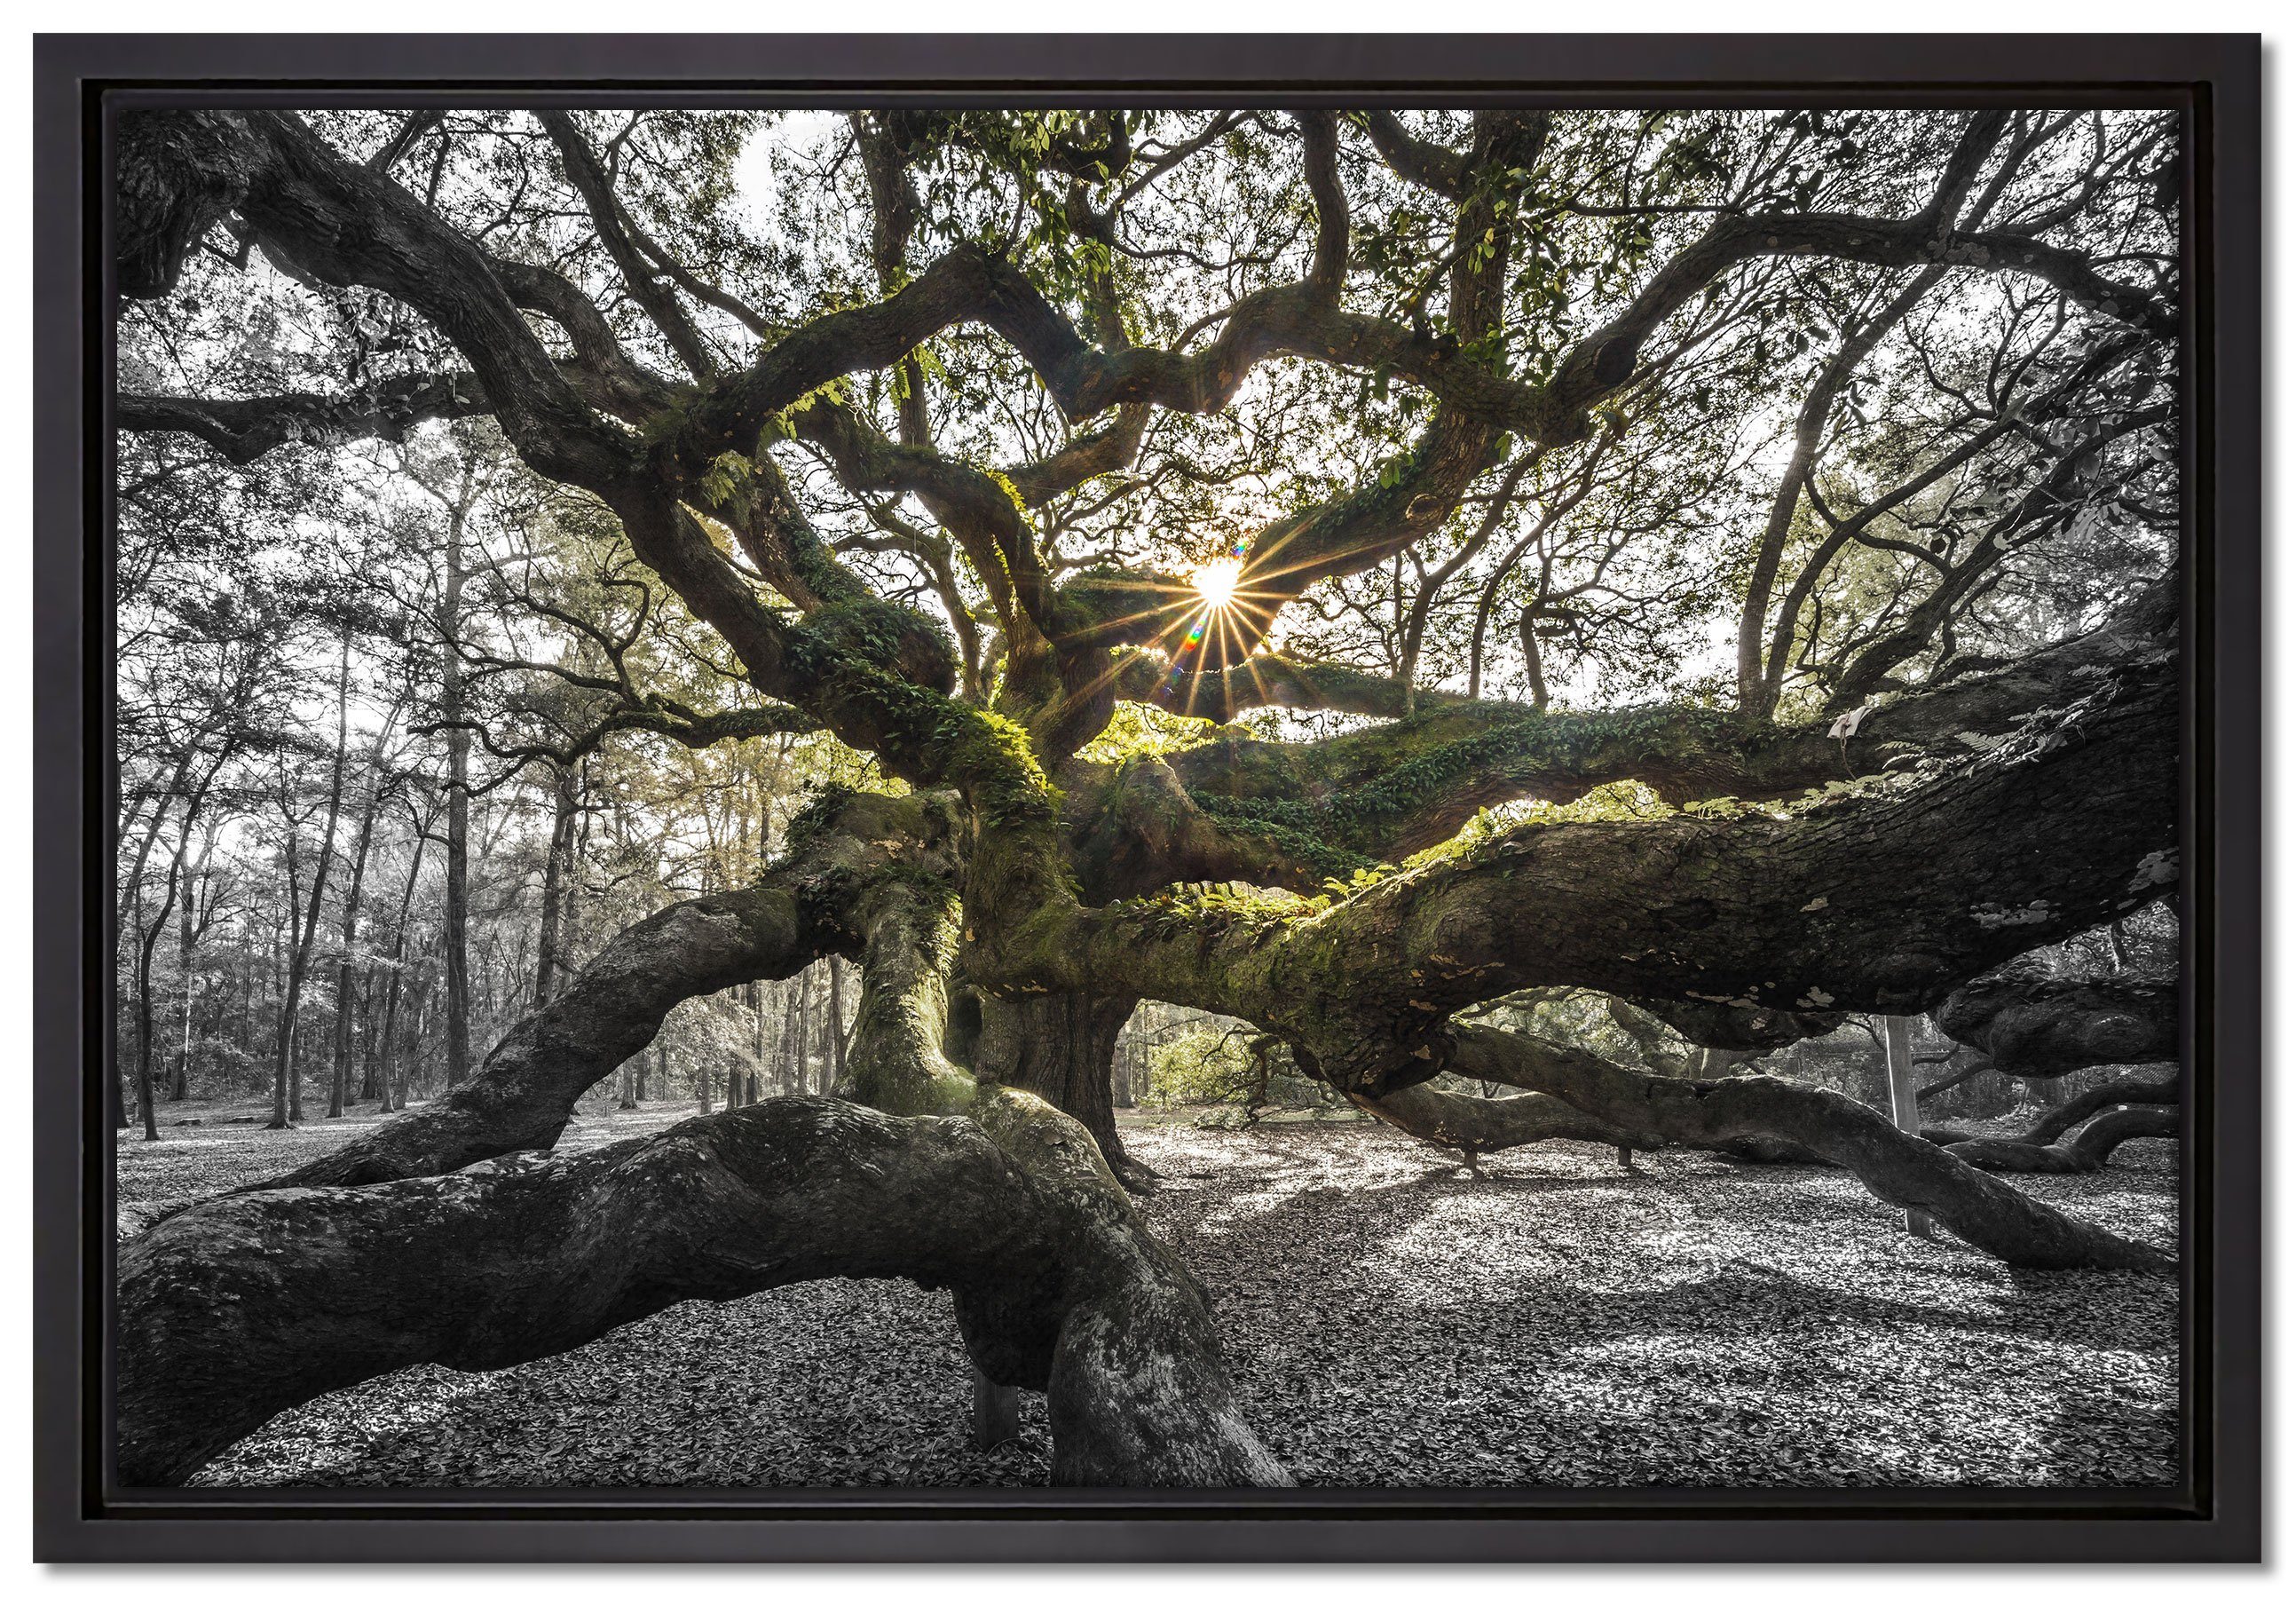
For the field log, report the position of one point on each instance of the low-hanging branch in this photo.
(798, 910)
(1896, 1166)
(2088, 1151)
(247, 1305)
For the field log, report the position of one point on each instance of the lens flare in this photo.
(1215, 581)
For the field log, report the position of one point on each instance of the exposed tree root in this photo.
(1896, 1166)
(2087, 1152)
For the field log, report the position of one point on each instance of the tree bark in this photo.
(1905, 1112)
(242, 1307)
(1061, 1047)
(1909, 1172)
(2030, 1023)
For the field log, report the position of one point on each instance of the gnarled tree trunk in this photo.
(1061, 1047)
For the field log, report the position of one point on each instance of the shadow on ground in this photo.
(1390, 1322)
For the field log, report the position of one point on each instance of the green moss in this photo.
(1421, 763)
(1288, 826)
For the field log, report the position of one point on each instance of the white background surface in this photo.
(1026, 16)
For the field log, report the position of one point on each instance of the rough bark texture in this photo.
(1884, 900)
(2030, 1024)
(2087, 1152)
(241, 1308)
(1062, 1049)
(1906, 1171)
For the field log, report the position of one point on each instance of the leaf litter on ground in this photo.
(1389, 1320)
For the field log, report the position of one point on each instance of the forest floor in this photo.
(1390, 1322)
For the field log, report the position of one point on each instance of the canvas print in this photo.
(1375, 797)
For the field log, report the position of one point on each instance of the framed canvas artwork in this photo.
(1148, 798)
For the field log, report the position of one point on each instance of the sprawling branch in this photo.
(2089, 1151)
(1385, 792)
(2031, 1024)
(1882, 902)
(800, 911)
(2132, 1090)
(1604, 358)
(242, 431)
(1896, 1166)
(1276, 680)
(658, 299)
(1428, 164)
(241, 1308)
(181, 172)
(1473, 1125)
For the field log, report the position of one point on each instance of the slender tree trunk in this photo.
(339, 1085)
(1904, 1111)
(996, 1412)
(147, 940)
(793, 1030)
(179, 1086)
(1532, 666)
(554, 873)
(836, 1021)
(399, 971)
(457, 949)
(1125, 1094)
(287, 1097)
(756, 1011)
(131, 908)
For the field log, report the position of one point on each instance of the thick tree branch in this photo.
(242, 431)
(797, 913)
(241, 1308)
(2089, 1151)
(2031, 1024)
(1896, 1166)
(1884, 901)
(658, 302)
(180, 172)
(1386, 792)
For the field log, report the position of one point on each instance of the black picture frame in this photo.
(2216, 78)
